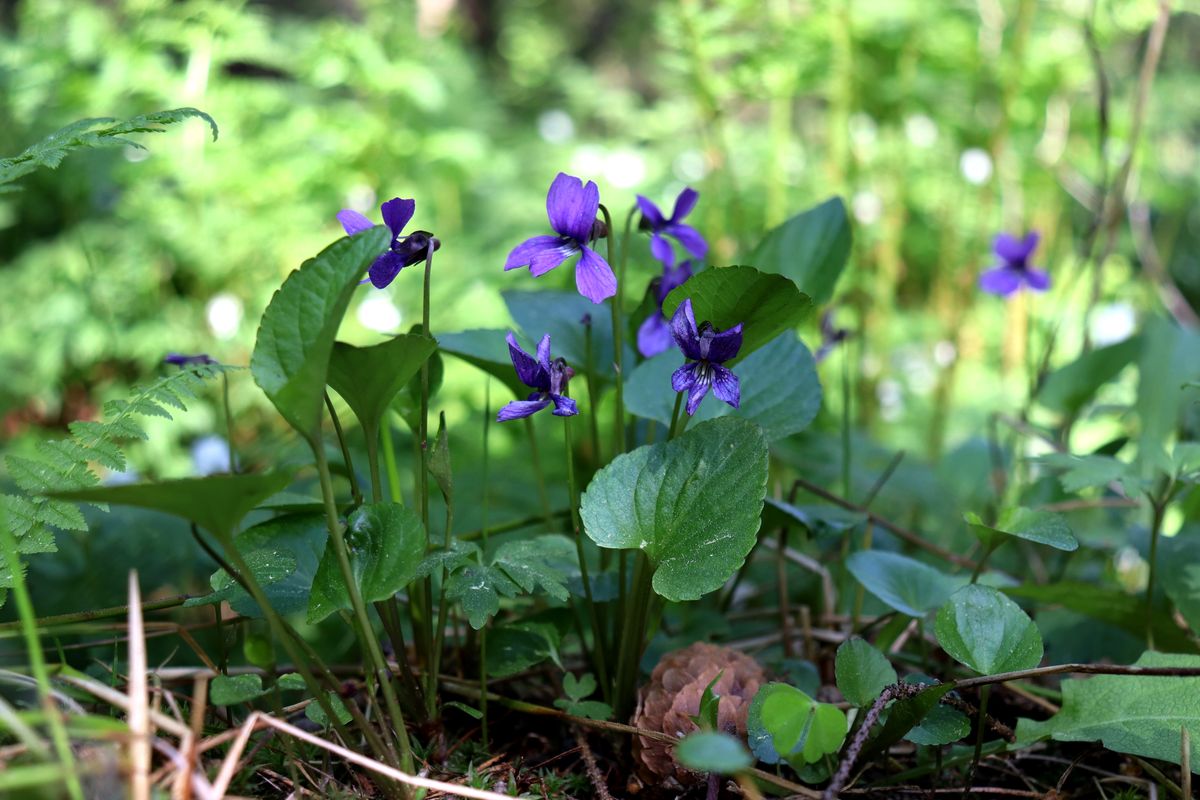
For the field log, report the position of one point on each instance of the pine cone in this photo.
(672, 697)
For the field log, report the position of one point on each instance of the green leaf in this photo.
(862, 672)
(1141, 715)
(291, 682)
(1042, 527)
(216, 503)
(784, 723)
(811, 248)
(487, 350)
(903, 716)
(713, 751)
(386, 542)
(512, 649)
(578, 688)
(230, 690)
(560, 314)
(693, 505)
(1169, 359)
(315, 713)
(710, 706)
(369, 378)
(547, 560)
(270, 568)
(943, 725)
(767, 304)
(1090, 471)
(449, 558)
(439, 460)
(905, 584)
(473, 713)
(780, 388)
(479, 588)
(1069, 388)
(816, 518)
(1106, 604)
(295, 338)
(984, 630)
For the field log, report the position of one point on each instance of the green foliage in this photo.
(562, 314)
(765, 303)
(89, 133)
(369, 378)
(271, 567)
(696, 509)
(780, 389)
(1071, 387)
(296, 335)
(1042, 527)
(862, 672)
(232, 690)
(942, 725)
(713, 751)
(785, 724)
(575, 702)
(989, 633)
(488, 351)
(385, 543)
(811, 249)
(903, 716)
(1140, 715)
(907, 585)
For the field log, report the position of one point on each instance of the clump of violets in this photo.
(571, 206)
(707, 349)
(1014, 270)
(661, 227)
(403, 251)
(547, 377)
(654, 334)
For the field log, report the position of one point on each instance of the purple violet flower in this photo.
(571, 206)
(403, 251)
(660, 227)
(181, 360)
(708, 349)
(654, 335)
(548, 378)
(1014, 270)
(831, 336)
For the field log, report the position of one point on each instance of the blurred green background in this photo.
(938, 123)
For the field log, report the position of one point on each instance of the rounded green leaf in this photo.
(811, 248)
(295, 337)
(907, 585)
(942, 725)
(693, 505)
(368, 378)
(230, 690)
(780, 388)
(862, 672)
(767, 304)
(784, 723)
(984, 630)
(713, 751)
(487, 350)
(1042, 527)
(386, 543)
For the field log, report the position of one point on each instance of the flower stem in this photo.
(425, 585)
(1159, 510)
(355, 491)
(233, 462)
(389, 464)
(366, 632)
(675, 416)
(633, 636)
(618, 344)
(590, 381)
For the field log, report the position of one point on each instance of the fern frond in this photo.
(95, 132)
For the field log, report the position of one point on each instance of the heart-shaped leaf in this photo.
(862, 672)
(561, 315)
(270, 567)
(779, 384)
(907, 585)
(295, 337)
(216, 503)
(1042, 527)
(766, 304)
(943, 725)
(487, 350)
(385, 542)
(713, 751)
(369, 378)
(479, 588)
(811, 248)
(783, 723)
(984, 630)
(1069, 388)
(230, 690)
(693, 505)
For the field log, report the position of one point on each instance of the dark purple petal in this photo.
(594, 277)
(684, 378)
(683, 328)
(725, 385)
(1001, 281)
(543, 353)
(521, 408)
(572, 206)
(1013, 250)
(697, 392)
(684, 203)
(654, 336)
(650, 211)
(353, 222)
(397, 213)
(523, 254)
(182, 360)
(563, 406)
(661, 249)
(385, 269)
(723, 346)
(1037, 279)
(689, 237)
(528, 369)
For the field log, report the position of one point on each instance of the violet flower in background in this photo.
(654, 335)
(831, 336)
(403, 251)
(661, 227)
(708, 350)
(1014, 270)
(181, 360)
(549, 379)
(571, 206)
